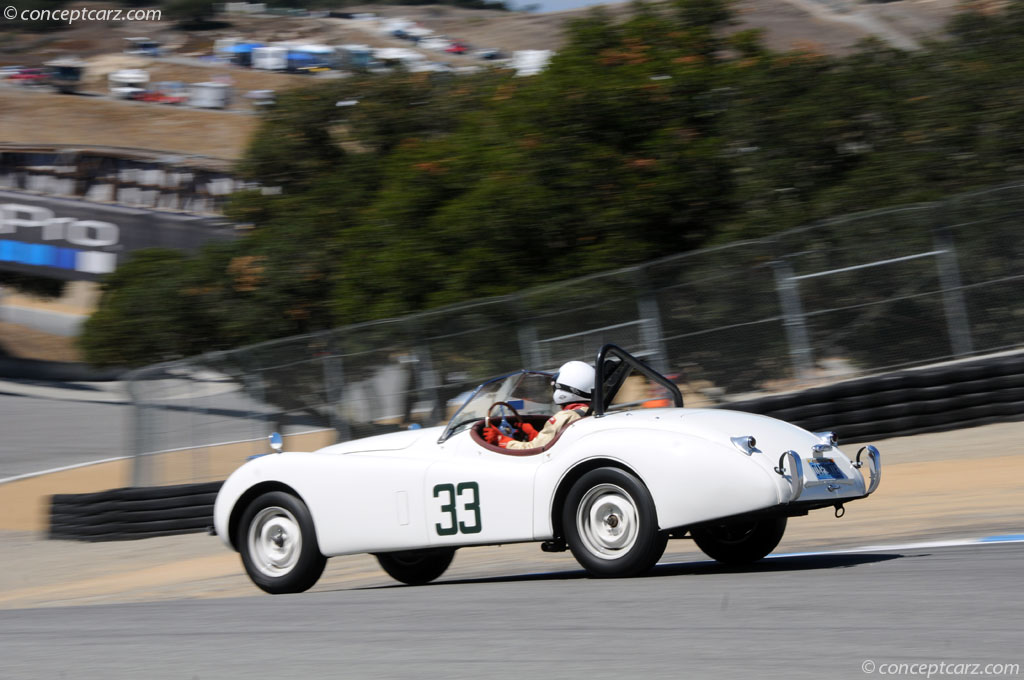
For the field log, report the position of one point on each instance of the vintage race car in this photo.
(613, 487)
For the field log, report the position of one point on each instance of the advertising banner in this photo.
(76, 240)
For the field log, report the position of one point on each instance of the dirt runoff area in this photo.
(963, 484)
(47, 118)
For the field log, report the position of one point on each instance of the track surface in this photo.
(812, 616)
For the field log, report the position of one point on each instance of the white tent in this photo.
(126, 82)
(270, 58)
(209, 95)
(530, 62)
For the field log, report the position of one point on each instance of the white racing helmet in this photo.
(573, 382)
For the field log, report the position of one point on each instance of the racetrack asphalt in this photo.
(803, 616)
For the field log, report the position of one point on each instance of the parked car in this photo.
(261, 98)
(66, 74)
(613, 487)
(164, 93)
(31, 76)
(437, 43)
(489, 54)
(8, 71)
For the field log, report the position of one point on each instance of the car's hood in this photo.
(393, 441)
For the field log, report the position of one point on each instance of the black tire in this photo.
(278, 544)
(740, 542)
(416, 567)
(627, 541)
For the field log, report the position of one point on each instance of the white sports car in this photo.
(613, 487)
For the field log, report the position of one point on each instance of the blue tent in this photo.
(243, 48)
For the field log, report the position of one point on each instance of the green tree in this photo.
(143, 317)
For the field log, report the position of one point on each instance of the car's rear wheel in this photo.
(610, 524)
(416, 567)
(740, 542)
(278, 544)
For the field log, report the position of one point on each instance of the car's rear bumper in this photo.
(805, 486)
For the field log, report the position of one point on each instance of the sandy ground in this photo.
(47, 118)
(968, 483)
(28, 343)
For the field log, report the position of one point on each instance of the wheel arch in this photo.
(251, 494)
(571, 477)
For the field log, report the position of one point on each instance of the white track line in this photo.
(951, 543)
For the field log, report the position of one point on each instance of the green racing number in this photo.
(450, 507)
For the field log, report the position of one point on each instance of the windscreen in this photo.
(529, 393)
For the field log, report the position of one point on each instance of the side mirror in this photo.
(276, 442)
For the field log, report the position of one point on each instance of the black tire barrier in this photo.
(133, 512)
(936, 399)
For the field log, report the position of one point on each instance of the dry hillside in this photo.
(42, 117)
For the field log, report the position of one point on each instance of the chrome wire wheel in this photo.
(275, 541)
(607, 521)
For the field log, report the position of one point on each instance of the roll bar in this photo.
(611, 374)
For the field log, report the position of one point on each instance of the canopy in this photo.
(242, 48)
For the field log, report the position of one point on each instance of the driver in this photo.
(572, 387)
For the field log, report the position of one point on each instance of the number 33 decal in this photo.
(470, 505)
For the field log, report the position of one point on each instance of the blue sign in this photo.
(71, 259)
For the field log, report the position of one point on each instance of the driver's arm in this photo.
(552, 427)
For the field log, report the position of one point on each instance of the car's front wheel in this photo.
(740, 542)
(611, 525)
(416, 567)
(278, 544)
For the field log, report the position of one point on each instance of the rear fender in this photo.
(690, 478)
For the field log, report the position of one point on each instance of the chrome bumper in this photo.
(791, 468)
(875, 469)
(796, 472)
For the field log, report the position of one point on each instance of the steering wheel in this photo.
(517, 424)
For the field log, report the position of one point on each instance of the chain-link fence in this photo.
(844, 297)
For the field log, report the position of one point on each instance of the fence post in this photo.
(140, 462)
(796, 326)
(651, 334)
(423, 379)
(253, 379)
(334, 386)
(529, 348)
(957, 322)
(203, 412)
